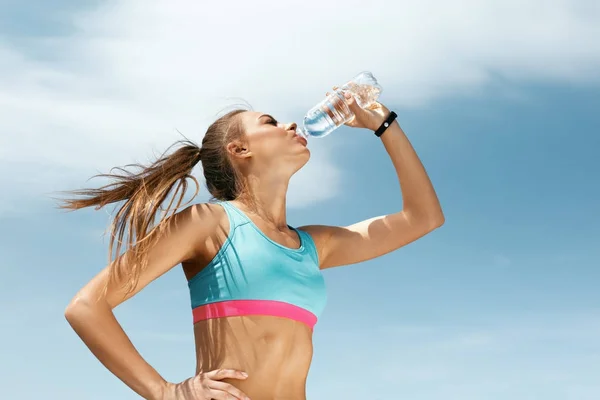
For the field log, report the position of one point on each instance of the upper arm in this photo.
(367, 239)
(180, 240)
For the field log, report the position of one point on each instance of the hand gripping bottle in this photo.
(333, 112)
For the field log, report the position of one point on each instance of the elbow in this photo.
(427, 218)
(73, 309)
(431, 224)
(431, 221)
(424, 223)
(437, 220)
(435, 216)
(77, 308)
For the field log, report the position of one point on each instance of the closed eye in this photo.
(269, 119)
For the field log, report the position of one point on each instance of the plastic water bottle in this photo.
(333, 112)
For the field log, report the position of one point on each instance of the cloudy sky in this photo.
(500, 100)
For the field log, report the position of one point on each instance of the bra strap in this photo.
(236, 216)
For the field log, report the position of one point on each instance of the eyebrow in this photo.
(267, 115)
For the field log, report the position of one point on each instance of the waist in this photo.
(275, 352)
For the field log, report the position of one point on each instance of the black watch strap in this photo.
(388, 121)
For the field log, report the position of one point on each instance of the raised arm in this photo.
(418, 214)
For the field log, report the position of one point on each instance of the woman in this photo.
(255, 282)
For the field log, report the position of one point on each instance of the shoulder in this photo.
(200, 226)
(323, 234)
(319, 233)
(199, 219)
(206, 212)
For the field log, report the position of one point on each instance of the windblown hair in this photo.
(136, 225)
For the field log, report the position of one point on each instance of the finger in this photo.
(374, 106)
(220, 374)
(335, 88)
(220, 395)
(226, 387)
(348, 96)
(352, 103)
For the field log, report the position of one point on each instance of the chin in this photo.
(306, 155)
(302, 160)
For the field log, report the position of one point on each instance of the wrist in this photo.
(380, 117)
(378, 122)
(160, 390)
(387, 121)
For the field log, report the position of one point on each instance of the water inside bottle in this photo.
(333, 111)
(318, 123)
(326, 116)
(365, 95)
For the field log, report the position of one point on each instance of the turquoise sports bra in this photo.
(253, 275)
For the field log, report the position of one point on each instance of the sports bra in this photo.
(253, 275)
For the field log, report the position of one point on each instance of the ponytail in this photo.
(143, 194)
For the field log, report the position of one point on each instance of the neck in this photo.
(266, 197)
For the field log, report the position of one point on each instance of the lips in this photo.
(301, 140)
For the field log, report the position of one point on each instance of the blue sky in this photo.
(500, 303)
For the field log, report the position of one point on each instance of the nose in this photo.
(292, 126)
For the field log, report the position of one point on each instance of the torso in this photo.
(275, 352)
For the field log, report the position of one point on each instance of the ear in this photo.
(238, 149)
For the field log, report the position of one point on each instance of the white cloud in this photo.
(137, 71)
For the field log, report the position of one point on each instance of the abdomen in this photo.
(276, 353)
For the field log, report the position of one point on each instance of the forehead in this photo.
(249, 118)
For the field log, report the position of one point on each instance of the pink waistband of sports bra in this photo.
(238, 308)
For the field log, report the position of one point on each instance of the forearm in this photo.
(97, 326)
(418, 195)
